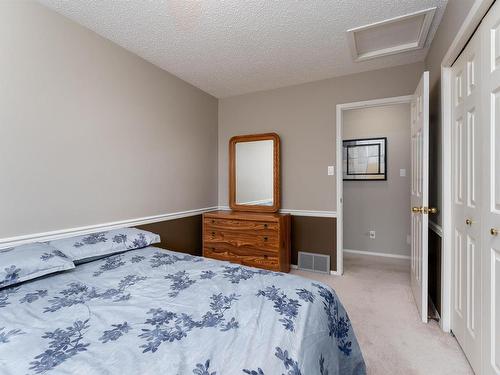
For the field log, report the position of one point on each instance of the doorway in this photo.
(376, 181)
(419, 185)
(353, 110)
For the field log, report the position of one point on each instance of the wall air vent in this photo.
(314, 262)
(388, 37)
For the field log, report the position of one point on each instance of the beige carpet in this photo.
(376, 293)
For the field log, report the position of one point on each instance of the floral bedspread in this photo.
(151, 311)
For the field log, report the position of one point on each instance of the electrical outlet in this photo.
(372, 234)
(331, 170)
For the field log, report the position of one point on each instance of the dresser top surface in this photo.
(242, 215)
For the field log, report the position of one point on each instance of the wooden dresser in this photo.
(248, 238)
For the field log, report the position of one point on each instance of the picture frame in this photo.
(365, 159)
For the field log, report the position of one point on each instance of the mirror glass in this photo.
(254, 173)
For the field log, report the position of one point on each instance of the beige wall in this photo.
(304, 117)
(455, 13)
(382, 206)
(90, 133)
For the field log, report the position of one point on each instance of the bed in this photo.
(154, 311)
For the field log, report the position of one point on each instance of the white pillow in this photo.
(100, 244)
(26, 262)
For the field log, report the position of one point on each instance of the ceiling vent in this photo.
(395, 35)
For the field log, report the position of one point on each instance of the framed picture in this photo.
(365, 159)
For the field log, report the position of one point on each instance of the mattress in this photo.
(154, 311)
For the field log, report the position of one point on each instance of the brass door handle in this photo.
(424, 210)
(494, 231)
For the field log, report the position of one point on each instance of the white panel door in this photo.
(466, 182)
(420, 194)
(490, 32)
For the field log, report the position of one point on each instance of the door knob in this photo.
(494, 231)
(468, 222)
(432, 210)
(416, 210)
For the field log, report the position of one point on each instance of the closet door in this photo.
(466, 174)
(490, 30)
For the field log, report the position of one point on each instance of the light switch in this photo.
(331, 170)
(402, 172)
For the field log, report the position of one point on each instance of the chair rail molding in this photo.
(78, 231)
(313, 213)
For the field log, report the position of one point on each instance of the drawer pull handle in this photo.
(265, 238)
(265, 226)
(213, 221)
(213, 233)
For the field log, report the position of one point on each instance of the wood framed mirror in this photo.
(254, 172)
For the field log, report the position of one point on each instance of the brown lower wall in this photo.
(312, 234)
(315, 235)
(435, 269)
(182, 235)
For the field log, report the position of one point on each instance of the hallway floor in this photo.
(376, 293)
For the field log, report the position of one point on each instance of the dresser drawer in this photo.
(272, 265)
(225, 248)
(269, 242)
(240, 225)
(256, 258)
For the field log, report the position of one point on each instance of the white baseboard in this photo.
(298, 212)
(295, 267)
(387, 255)
(78, 231)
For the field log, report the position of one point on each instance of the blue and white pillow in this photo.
(100, 244)
(26, 262)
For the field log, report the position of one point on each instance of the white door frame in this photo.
(340, 209)
(477, 12)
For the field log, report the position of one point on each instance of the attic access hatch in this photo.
(400, 34)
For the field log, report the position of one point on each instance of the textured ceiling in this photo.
(233, 47)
